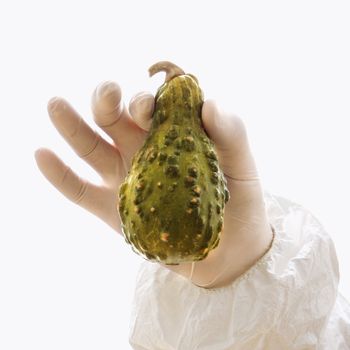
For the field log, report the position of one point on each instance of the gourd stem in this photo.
(171, 70)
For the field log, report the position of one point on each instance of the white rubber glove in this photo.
(246, 234)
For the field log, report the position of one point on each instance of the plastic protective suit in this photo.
(288, 300)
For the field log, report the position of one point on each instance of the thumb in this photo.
(230, 138)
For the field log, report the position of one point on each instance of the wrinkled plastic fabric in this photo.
(288, 300)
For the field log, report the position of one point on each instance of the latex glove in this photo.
(246, 233)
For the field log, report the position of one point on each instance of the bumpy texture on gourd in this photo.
(171, 204)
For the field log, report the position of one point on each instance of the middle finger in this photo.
(114, 119)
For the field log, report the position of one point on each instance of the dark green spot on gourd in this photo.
(200, 222)
(188, 143)
(189, 131)
(162, 156)
(161, 117)
(173, 133)
(194, 202)
(217, 193)
(137, 200)
(167, 141)
(211, 155)
(196, 190)
(227, 195)
(178, 144)
(220, 224)
(214, 178)
(173, 159)
(172, 187)
(172, 171)
(185, 93)
(213, 165)
(140, 186)
(193, 171)
(189, 181)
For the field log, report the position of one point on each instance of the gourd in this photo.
(171, 203)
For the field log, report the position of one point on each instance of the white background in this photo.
(66, 279)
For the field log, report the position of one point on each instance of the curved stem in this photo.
(171, 70)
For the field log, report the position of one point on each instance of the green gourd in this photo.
(171, 203)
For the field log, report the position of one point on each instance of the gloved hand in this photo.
(246, 234)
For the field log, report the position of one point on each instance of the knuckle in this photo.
(65, 175)
(67, 180)
(80, 195)
(90, 151)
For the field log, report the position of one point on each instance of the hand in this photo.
(110, 160)
(246, 234)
